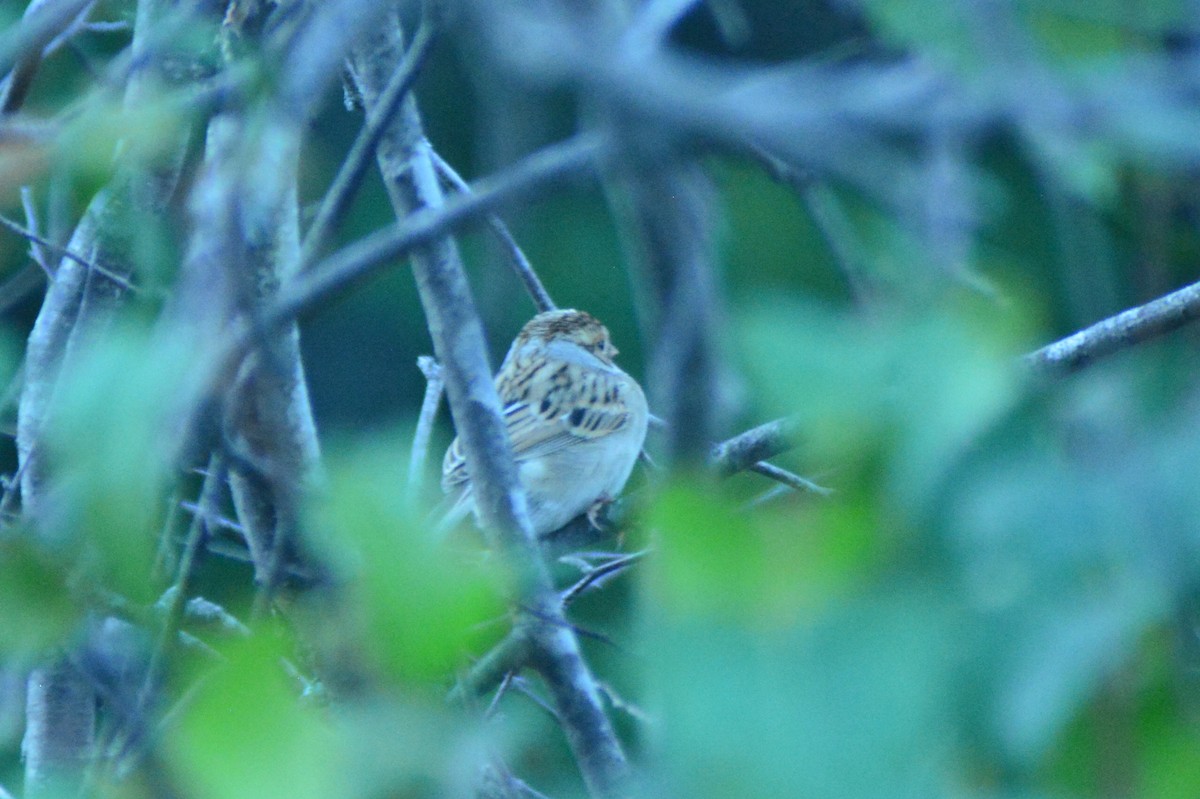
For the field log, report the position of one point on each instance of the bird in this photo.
(576, 422)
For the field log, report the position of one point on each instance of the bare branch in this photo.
(180, 590)
(458, 339)
(789, 478)
(1130, 327)
(757, 444)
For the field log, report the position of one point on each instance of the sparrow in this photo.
(575, 420)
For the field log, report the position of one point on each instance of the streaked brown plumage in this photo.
(575, 420)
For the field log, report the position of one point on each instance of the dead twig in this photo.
(65, 252)
(789, 479)
(599, 574)
(36, 249)
(516, 257)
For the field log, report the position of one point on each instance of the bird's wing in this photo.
(593, 406)
(572, 409)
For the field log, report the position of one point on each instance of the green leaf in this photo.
(1061, 659)
(423, 605)
(855, 704)
(937, 28)
(768, 566)
(244, 734)
(110, 452)
(907, 390)
(37, 610)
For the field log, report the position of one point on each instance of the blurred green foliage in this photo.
(423, 604)
(111, 447)
(289, 748)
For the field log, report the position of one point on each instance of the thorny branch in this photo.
(746, 451)
(457, 333)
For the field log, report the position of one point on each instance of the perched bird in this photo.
(576, 422)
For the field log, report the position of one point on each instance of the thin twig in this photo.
(354, 167)
(599, 573)
(81, 25)
(521, 685)
(789, 479)
(36, 249)
(516, 257)
(500, 690)
(21, 230)
(224, 548)
(526, 789)
(77, 26)
(177, 603)
(215, 520)
(620, 703)
(774, 492)
(108, 26)
(208, 612)
(434, 386)
(164, 559)
(1116, 333)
